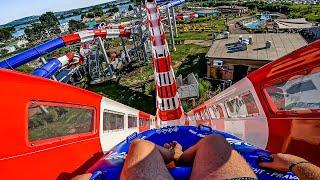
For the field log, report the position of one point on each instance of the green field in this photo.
(216, 25)
(194, 36)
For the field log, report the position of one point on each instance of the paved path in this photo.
(204, 43)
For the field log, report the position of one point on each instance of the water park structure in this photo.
(58, 130)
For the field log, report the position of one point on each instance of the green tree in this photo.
(137, 1)
(97, 11)
(90, 15)
(130, 8)
(211, 4)
(5, 34)
(25, 68)
(48, 20)
(48, 26)
(204, 88)
(254, 11)
(28, 31)
(76, 13)
(35, 31)
(11, 29)
(75, 25)
(115, 9)
(3, 51)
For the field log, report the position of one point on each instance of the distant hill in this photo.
(30, 19)
(18, 22)
(83, 9)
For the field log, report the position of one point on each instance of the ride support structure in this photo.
(171, 29)
(69, 39)
(187, 16)
(53, 65)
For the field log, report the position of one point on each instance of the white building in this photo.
(22, 43)
(64, 27)
(9, 48)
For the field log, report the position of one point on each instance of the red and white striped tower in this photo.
(169, 109)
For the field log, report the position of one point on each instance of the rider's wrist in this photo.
(172, 152)
(292, 165)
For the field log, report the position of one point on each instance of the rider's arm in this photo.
(306, 171)
(167, 154)
(299, 166)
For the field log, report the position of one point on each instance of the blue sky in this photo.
(15, 9)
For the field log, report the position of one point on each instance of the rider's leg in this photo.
(144, 161)
(214, 158)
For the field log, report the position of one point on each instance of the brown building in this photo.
(228, 59)
(239, 10)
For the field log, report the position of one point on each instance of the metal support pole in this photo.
(144, 47)
(174, 22)
(98, 63)
(135, 47)
(170, 30)
(104, 53)
(43, 108)
(43, 60)
(105, 56)
(125, 50)
(144, 50)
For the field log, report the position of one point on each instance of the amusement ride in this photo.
(274, 109)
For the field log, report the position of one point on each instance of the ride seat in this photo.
(180, 172)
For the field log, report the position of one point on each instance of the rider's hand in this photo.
(281, 162)
(176, 148)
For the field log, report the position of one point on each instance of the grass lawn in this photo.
(189, 58)
(125, 95)
(194, 36)
(139, 75)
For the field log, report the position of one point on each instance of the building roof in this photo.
(207, 11)
(299, 23)
(281, 44)
(232, 7)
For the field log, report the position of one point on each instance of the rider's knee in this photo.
(141, 143)
(214, 139)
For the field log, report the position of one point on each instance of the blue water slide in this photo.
(49, 69)
(31, 54)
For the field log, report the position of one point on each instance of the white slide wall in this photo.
(110, 138)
